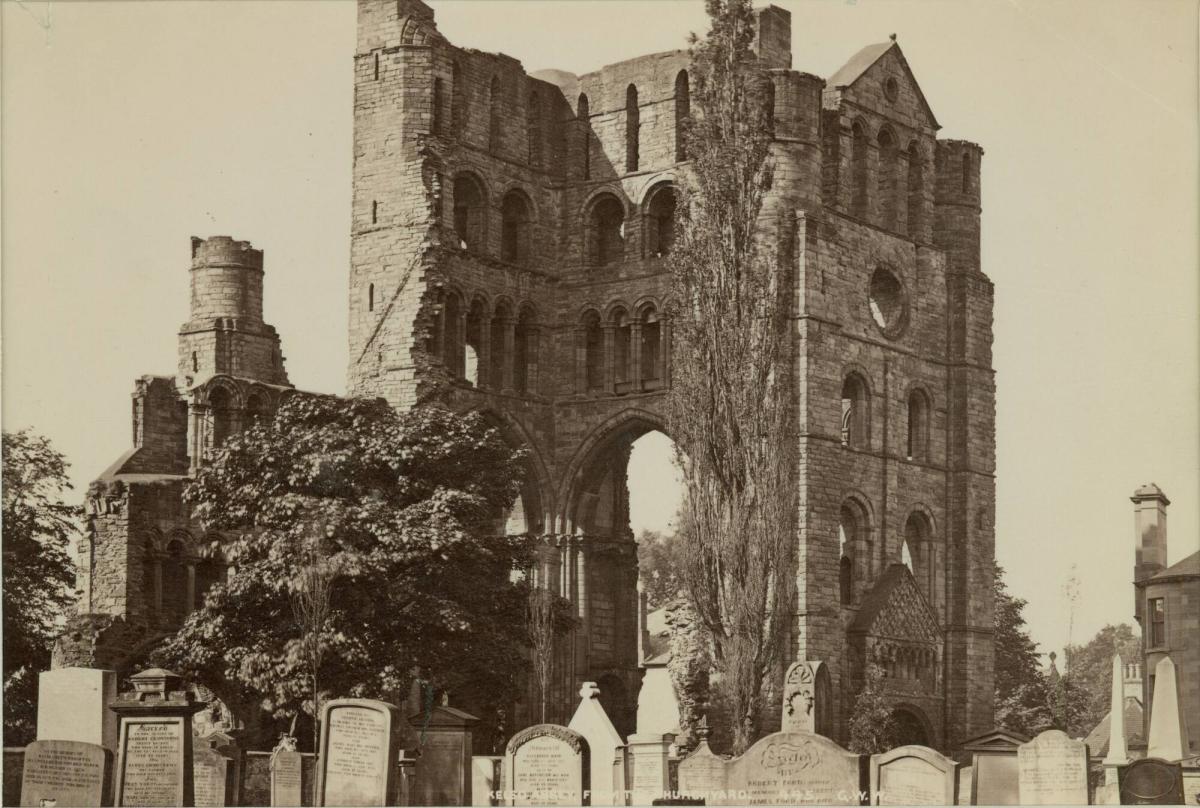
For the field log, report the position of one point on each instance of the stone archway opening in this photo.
(909, 727)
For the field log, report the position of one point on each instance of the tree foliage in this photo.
(730, 389)
(1089, 671)
(660, 567)
(38, 571)
(408, 506)
(1022, 701)
(871, 723)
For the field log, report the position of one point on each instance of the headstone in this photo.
(1052, 769)
(796, 767)
(212, 774)
(702, 775)
(485, 778)
(1151, 781)
(223, 741)
(913, 775)
(358, 753)
(443, 775)
(1168, 733)
(604, 744)
(994, 759)
(966, 778)
(1117, 754)
(649, 773)
(73, 706)
(65, 773)
(287, 773)
(807, 705)
(547, 764)
(154, 750)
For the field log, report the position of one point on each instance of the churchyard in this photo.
(141, 748)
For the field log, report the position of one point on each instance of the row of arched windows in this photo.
(175, 579)
(605, 228)
(623, 351)
(226, 415)
(856, 418)
(489, 347)
(856, 548)
(898, 195)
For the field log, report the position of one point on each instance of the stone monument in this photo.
(1052, 769)
(702, 774)
(73, 706)
(547, 764)
(788, 768)
(358, 753)
(212, 775)
(443, 769)
(1151, 781)
(1168, 731)
(154, 750)
(485, 778)
(807, 705)
(994, 764)
(649, 775)
(913, 775)
(606, 750)
(1117, 753)
(65, 773)
(287, 773)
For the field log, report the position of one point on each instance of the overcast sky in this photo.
(130, 127)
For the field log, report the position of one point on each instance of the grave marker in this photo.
(212, 774)
(443, 775)
(358, 753)
(1168, 732)
(485, 778)
(287, 773)
(994, 760)
(65, 773)
(1151, 781)
(604, 744)
(913, 775)
(789, 768)
(154, 751)
(650, 777)
(702, 773)
(1052, 769)
(73, 706)
(807, 701)
(547, 764)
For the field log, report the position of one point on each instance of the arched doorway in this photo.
(908, 727)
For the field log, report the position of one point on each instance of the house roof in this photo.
(1185, 567)
(862, 61)
(1097, 739)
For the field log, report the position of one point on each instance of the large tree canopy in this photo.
(37, 571)
(402, 511)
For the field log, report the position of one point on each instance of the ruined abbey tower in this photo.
(508, 235)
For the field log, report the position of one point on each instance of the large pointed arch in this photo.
(537, 494)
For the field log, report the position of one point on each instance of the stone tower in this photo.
(507, 244)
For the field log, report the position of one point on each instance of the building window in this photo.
(859, 203)
(514, 228)
(660, 221)
(622, 344)
(525, 353)
(683, 113)
(916, 189)
(494, 102)
(651, 347)
(583, 113)
(501, 323)
(435, 118)
(593, 352)
(469, 207)
(534, 129)
(476, 326)
(175, 605)
(918, 544)
(377, 67)
(889, 156)
(855, 550)
(220, 404)
(1158, 623)
(257, 408)
(918, 426)
(856, 412)
(632, 125)
(607, 230)
(370, 297)
(456, 99)
(452, 355)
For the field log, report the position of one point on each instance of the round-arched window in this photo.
(888, 302)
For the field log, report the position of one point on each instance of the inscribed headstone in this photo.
(547, 764)
(73, 706)
(913, 775)
(1052, 769)
(358, 753)
(806, 698)
(994, 759)
(650, 777)
(152, 762)
(795, 767)
(286, 773)
(65, 773)
(1151, 781)
(702, 774)
(212, 775)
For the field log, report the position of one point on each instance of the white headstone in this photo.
(546, 764)
(649, 776)
(1167, 729)
(1052, 769)
(913, 775)
(73, 706)
(65, 773)
(604, 742)
(789, 768)
(1117, 754)
(359, 752)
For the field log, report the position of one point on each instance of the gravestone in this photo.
(224, 741)
(212, 775)
(1168, 732)
(287, 773)
(994, 760)
(443, 775)
(485, 778)
(787, 768)
(1052, 769)
(547, 764)
(650, 776)
(1117, 755)
(65, 773)
(154, 750)
(604, 744)
(1151, 781)
(73, 706)
(807, 699)
(702, 775)
(358, 754)
(913, 775)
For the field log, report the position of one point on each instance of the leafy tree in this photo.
(660, 566)
(38, 571)
(730, 399)
(1089, 670)
(1022, 701)
(871, 723)
(408, 506)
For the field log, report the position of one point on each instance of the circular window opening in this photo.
(888, 304)
(891, 89)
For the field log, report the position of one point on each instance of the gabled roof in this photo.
(1184, 567)
(896, 609)
(997, 739)
(1097, 739)
(862, 61)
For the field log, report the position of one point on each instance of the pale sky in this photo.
(130, 127)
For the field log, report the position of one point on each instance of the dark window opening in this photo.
(514, 228)
(524, 353)
(859, 204)
(501, 321)
(593, 351)
(222, 415)
(494, 102)
(918, 426)
(888, 159)
(452, 353)
(632, 125)
(622, 344)
(916, 189)
(476, 322)
(651, 370)
(371, 297)
(374, 212)
(583, 113)
(468, 213)
(377, 67)
(660, 222)
(435, 122)
(856, 415)
(1158, 623)
(608, 226)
